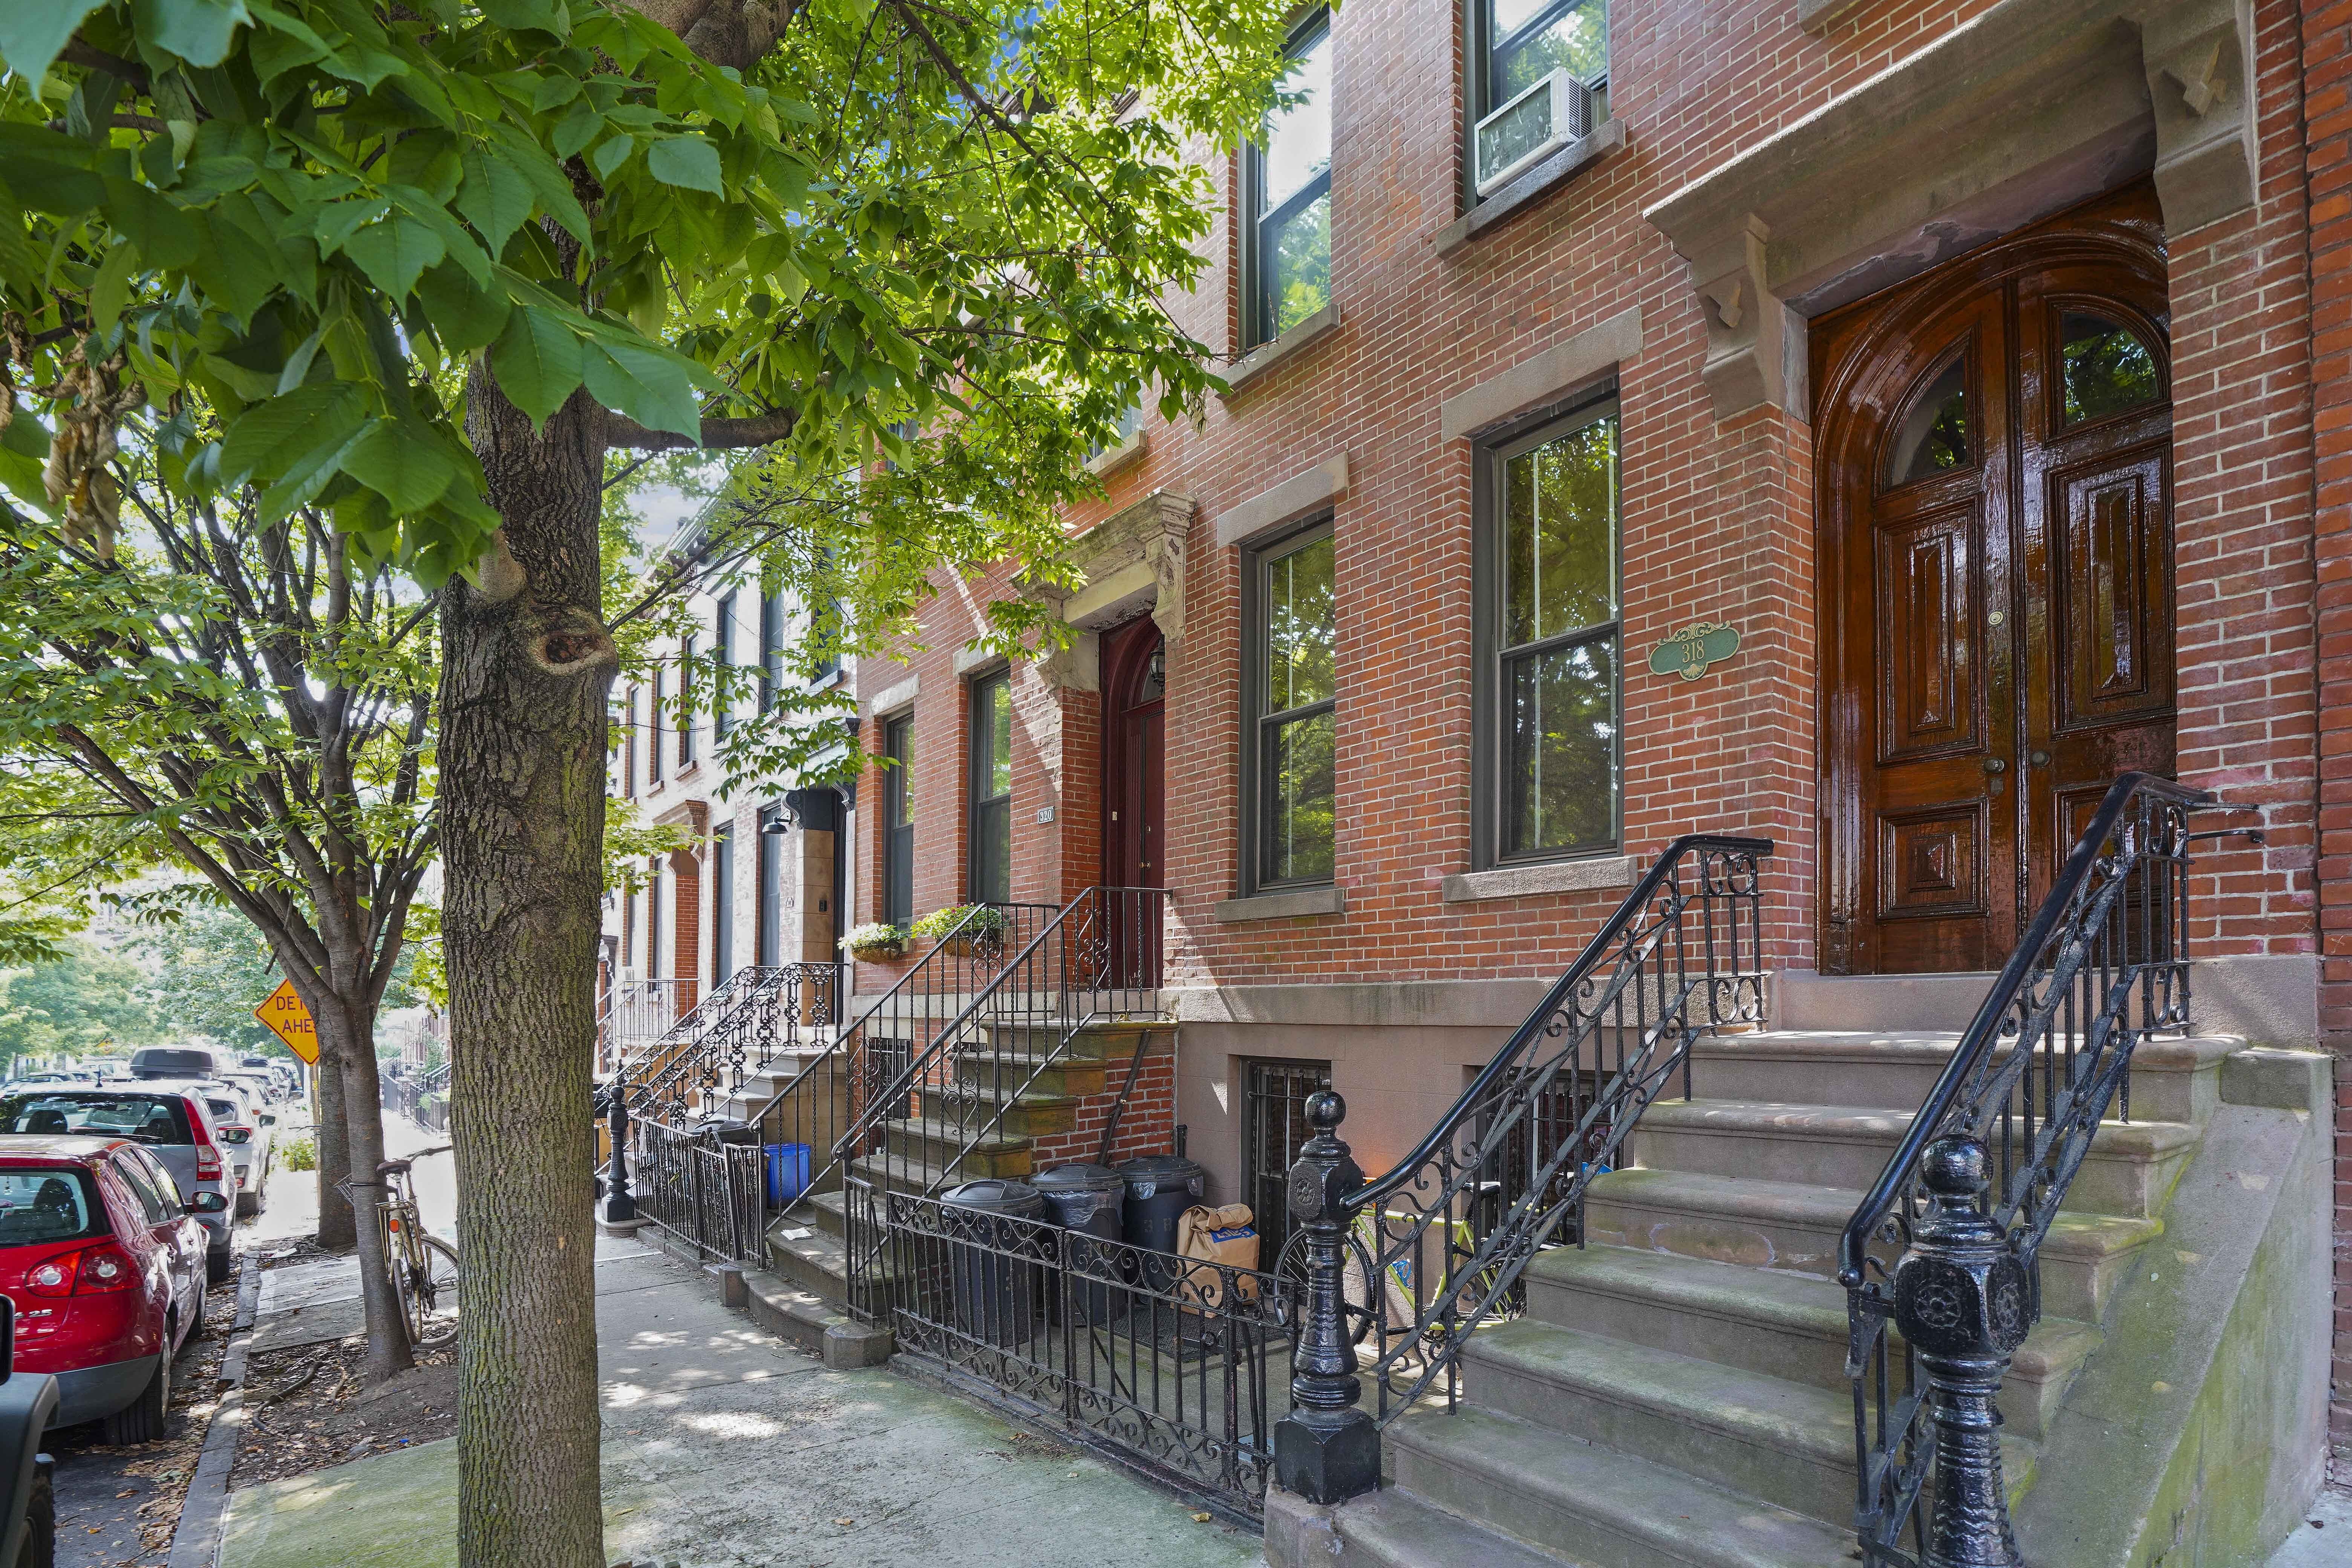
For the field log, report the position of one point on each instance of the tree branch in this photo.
(718, 435)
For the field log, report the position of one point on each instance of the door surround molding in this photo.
(2024, 110)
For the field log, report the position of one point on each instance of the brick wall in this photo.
(1148, 1126)
(2326, 43)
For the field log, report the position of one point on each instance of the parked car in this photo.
(28, 1507)
(177, 1061)
(249, 1134)
(171, 1123)
(106, 1264)
(261, 1088)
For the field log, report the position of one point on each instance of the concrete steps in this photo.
(1676, 1392)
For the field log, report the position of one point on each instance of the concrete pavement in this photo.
(723, 1446)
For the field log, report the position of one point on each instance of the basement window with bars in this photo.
(1549, 641)
(1274, 1129)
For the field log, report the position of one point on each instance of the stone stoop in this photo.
(1044, 1084)
(1676, 1395)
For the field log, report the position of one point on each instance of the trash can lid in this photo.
(995, 1194)
(1158, 1168)
(1078, 1178)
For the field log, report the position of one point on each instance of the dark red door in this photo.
(1134, 752)
(1996, 539)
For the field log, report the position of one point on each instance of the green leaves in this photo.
(650, 388)
(265, 440)
(392, 251)
(688, 162)
(32, 33)
(402, 463)
(537, 362)
(198, 31)
(496, 195)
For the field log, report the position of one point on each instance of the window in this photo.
(628, 930)
(1287, 193)
(1550, 622)
(684, 707)
(1290, 743)
(52, 1204)
(654, 728)
(990, 818)
(722, 906)
(771, 648)
(653, 919)
(771, 889)
(1274, 1129)
(899, 821)
(722, 658)
(1522, 42)
(629, 745)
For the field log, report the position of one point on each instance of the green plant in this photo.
(984, 924)
(877, 938)
(301, 1153)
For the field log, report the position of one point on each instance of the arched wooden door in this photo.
(1135, 685)
(1995, 480)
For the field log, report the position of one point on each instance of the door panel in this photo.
(1994, 464)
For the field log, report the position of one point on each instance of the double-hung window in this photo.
(1293, 726)
(654, 728)
(1287, 191)
(768, 866)
(771, 648)
(1515, 115)
(629, 745)
(898, 820)
(722, 662)
(722, 905)
(684, 703)
(991, 813)
(1551, 640)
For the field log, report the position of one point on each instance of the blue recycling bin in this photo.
(788, 1173)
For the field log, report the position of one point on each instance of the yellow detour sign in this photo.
(290, 1022)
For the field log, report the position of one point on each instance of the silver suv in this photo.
(176, 1125)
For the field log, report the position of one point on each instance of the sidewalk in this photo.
(723, 1446)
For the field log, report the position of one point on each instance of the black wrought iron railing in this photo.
(699, 1189)
(921, 1118)
(1174, 1367)
(1943, 1249)
(836, 1089)
(741, 1028)
(1408, 1264)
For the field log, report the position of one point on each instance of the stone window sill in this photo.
(1605, 138)
(1282, 906)
(1595, 872)
(1111, 459)
(1265, 356)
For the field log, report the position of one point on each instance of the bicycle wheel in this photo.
(433, 1289)
(1355, 1291)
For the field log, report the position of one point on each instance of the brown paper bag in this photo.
(1212, 1237)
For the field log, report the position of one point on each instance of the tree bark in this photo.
(351, 1041)
(527, 665)
(337, 1231)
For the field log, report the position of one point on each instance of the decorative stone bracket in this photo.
(1133, 558)
(2029, 107)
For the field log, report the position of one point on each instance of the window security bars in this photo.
(1402, 1268)
(1274, 1128)
(1176, 1367)
(1945, 1248)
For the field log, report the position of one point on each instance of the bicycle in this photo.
(422, 1267)
(1399, 1311)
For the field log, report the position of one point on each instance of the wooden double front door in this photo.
(1995, 484)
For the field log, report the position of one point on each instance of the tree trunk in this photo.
(526, 668)
(350, 1035)
(331, 1133)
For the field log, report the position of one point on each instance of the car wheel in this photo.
(219, 1265)
(40, 1548)
(142, 1420)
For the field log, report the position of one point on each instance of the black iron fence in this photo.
(699, 1189)
(424, 1100)
(1176, 1367)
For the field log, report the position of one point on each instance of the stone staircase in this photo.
(1054, 1089)
(1677, 1393)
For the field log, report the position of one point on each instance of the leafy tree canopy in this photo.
(84, 1001)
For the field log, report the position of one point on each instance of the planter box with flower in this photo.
(968, 930)
(876, 942)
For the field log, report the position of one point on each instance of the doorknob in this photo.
(2039, 759)
(1995, 766)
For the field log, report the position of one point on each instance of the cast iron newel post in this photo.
(618, 1203)
(1326, 1449)
(1960, 1300)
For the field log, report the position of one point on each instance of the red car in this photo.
(106, 1267)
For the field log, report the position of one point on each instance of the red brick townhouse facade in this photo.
(1867, 426)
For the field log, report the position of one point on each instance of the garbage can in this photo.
(1160, 1188)
(1086, 1199)
(788, 1172)
(995, 1292)
(724, 1131)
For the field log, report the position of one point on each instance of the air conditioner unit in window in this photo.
(1547, 116)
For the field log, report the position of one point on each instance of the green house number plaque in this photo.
(1692, 650)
